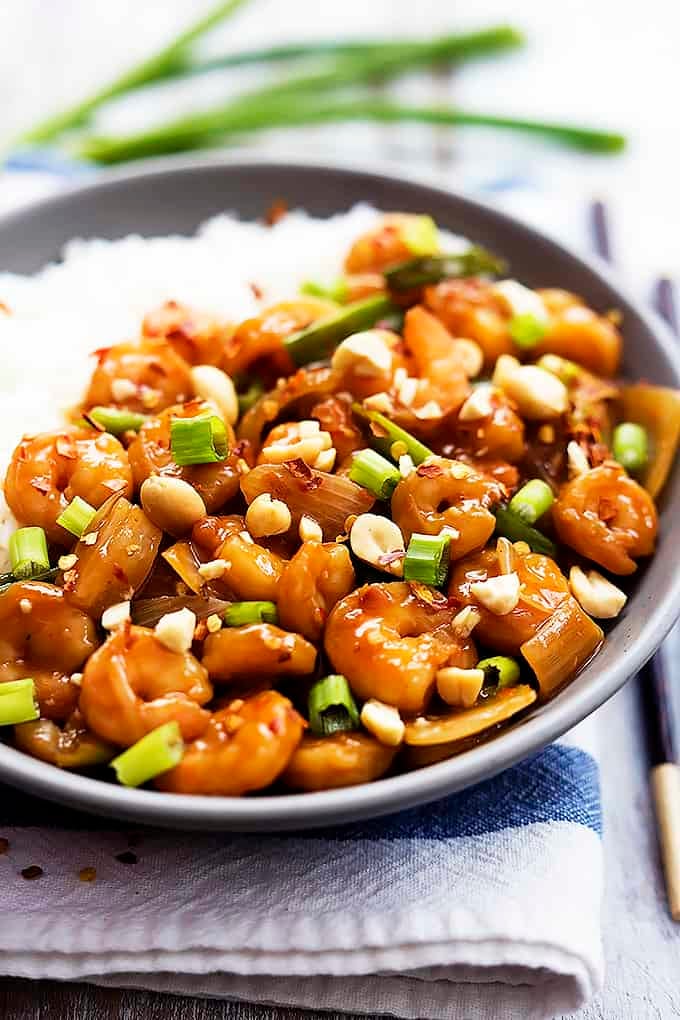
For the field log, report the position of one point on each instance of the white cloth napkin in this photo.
(483, 905)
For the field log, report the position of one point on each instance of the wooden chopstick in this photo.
(654, 678)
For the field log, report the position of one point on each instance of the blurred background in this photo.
(591, 62)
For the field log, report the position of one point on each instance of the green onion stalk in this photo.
(332, 708)
(238, 614)
(373, 472)
(18, 703)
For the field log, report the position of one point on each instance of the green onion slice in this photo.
(336, 291)
(250, 396)
(427, 559)
(426, 269)
(200, 440)
(416, 450)
(499, 671)
(116, 420)
(567, 371)
(18, 702)
(526, 330)
(76, 517)
(630, 446)
(421, 236)
(241, 613)
(332, 708)
(532, 500)
(517, 530)
(315, 342)
(28, 553)
(374, 473)
(157, 752)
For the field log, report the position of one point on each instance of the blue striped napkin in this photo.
(481, 905)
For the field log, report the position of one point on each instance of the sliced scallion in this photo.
(241, 613)
(336, 291)
(315, 342)
(427, 559)
(332, 708)
(157, 752)
(117, 420)
(18, 703)
(416, 450)
(532, 500)
(499, 671)
(374, 473)
(427, 269)
(76, 517)
(200, 440)
(250, 396)
(567, 371)
(630, 446)
(526, 330)
(421, 236)
(28, 553)
(517, 530)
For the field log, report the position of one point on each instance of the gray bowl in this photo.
(174, 197)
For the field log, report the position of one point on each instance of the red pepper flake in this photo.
(4, 845)
(92, 423)
(304, 474)
(41, 485)
(119, 573)
(276, 212)
(127, 857)
(391, 557)
(378, 430)
(101, 353)
(430, 596)
(276, 725)
(32, 872)
(606, 510)
(87, 874)
(429, 470)
(66, 448)
(257, 291)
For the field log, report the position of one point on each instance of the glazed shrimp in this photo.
(578, 333)
(341, 759)
(143, 376)
(543, 588)
(46, 638)
(150, 454)
(335, 417)
(442, 383)
(133, 683)
(256, 651)
(245, 747)
(607, 517)
(469, 308)
(257, 344)
(114, 557)
(389, 642)
(498, 435)
(390, 241)
(252, 571)
(316, 578)
(445, 493)
(195, 336)
(48, 470)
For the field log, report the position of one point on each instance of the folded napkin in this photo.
(485, 901)
(484, 904)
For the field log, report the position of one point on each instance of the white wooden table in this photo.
(602, 61)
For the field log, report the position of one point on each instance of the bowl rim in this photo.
(395, 793)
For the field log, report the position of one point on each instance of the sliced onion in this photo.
(329, 499)
(147, 612)
(183, 560)
(428, 731)
(561, 646)
(657, 409)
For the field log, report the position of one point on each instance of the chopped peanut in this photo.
(459, 687)
(176, 630)
(383, 721)
(375, 539)
(266, 516)
(116, 616)
(499, 594)
(595, 594)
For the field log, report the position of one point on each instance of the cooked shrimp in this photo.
(580, 334)
(133, 683)
(115, 556)
(71, 746)
(469, 308)
(290, 399)
(312, 582)
(258, 650)
(48, 470)
(341, 759)
(245, 747)
(544, 588)
(44, 637)
(195, 336)
(150, 454)
(335, 417)
(145, 376)
(389, 642)
(257, 344)
(498, 435)
(252, 571)
(436, 363)
(444, 493)
(607, 517)
(390, 241)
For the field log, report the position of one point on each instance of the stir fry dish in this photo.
(350, 536)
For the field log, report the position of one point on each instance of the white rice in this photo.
(100, 291)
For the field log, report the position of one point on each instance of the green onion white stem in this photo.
(28, 552)
(18, 702)
(372, 471)
(630, 446)
(392, 434)
(532, 500)
(241, 613)
(200, 440)
(76, 517)
(116, 420)
(427, 559)
(157, 752)
(331, 706)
